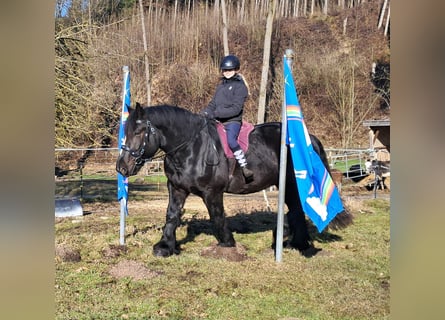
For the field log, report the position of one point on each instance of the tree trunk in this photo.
(382, 14)
(266, 58)
(387, 21)
(147, 70)
(224, 18)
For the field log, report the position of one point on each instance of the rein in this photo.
(185, 143)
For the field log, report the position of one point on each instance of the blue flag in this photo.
(122, 182)
(318, 194)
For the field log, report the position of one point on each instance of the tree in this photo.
(147, 70)
(266, 59)
(225, 27)
(347, 109)
(84, 101)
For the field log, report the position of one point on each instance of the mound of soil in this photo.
(236, 254)
(113, 251)
(67, 254)
(132, 269)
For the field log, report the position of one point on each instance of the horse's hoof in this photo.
(227, 244)
(309, 252)
(162, 250)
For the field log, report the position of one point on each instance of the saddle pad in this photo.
(243, 138)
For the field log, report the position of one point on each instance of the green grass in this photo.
(344, 166)
(348, 279)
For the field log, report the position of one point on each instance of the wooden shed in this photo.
(379, 139)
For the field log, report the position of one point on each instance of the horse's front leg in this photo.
(215, 207)
(167, 246)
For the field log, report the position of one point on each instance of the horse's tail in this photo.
(344, 218)
(341, 220)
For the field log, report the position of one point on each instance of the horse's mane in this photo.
(169, 116)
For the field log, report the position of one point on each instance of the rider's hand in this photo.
(208, 114)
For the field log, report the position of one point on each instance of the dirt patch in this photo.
(113, 251)
(132, 269)
(67, 254)
(236, 254)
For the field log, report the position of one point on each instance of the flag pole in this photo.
(123, 199)
(122, 222)
(283, 163)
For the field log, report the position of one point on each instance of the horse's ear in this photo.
(139, 110)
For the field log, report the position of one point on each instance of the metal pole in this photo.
(81, 182)
(122, 222)
(283, 163)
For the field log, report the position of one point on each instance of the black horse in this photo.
(195, 163)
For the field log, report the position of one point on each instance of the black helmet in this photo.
(229, 62)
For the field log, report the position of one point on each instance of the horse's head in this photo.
(140, 143)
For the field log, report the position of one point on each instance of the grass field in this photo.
(98, 279)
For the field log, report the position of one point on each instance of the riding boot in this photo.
(241, 158)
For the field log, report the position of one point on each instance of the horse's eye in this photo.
(139, 130)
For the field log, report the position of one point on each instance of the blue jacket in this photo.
(227, 104)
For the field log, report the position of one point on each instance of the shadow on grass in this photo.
(247, 223)
(105, 190)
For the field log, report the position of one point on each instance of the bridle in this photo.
(150, 129)
(138, 153)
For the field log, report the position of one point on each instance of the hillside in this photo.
(321, 49)
(332, 68)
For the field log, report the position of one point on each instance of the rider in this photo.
(227, 106)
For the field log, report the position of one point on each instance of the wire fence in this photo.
(351, 162)
(90, 173)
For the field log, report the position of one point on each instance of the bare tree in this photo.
(79, 118)
(266, 61)
(387, 21)
(147, 70)
(382, 14)
(225, 27)
(346, 108)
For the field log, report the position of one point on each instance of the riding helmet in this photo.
(229, 62)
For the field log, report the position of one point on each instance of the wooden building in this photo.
(379, 139)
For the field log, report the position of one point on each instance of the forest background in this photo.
(341, 64)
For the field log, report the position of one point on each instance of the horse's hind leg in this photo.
(167, 245)
(215, 207)
(299, 237)
(299, 234)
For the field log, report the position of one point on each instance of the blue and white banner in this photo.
(318, 194)
(122, 182)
